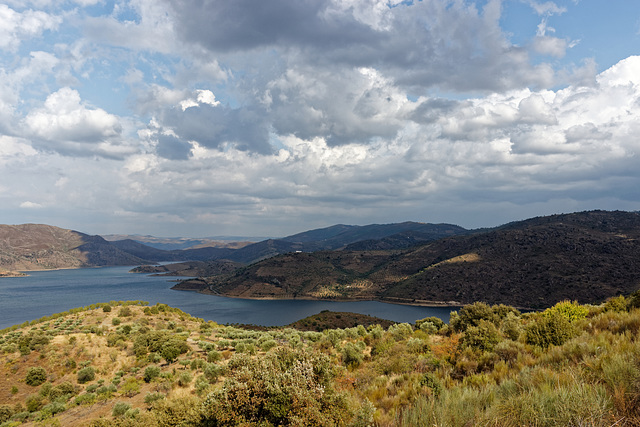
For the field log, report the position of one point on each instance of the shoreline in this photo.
(388, 300)
(414, 303)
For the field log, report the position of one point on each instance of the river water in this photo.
(43, 293)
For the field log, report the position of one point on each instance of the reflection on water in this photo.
(43, 293)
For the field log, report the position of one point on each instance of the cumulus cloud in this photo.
(16, 26)
(272, 114)
(67, 126)
(452, 44)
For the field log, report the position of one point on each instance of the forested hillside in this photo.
(586, 256)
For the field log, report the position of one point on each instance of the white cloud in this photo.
(16, 26)
(67, 126)
(30, 205)
(325, 111)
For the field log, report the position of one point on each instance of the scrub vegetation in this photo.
(570, 364)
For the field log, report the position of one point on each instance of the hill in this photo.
(34, 246)
(39, 247)
(177, 243)
(127, 364)
(585, 256)
(339, 236)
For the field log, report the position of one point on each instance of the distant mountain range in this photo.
(585, 256)
(36, 246)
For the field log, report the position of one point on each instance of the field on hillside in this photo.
(129, 364)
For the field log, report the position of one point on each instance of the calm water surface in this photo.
(43, 293)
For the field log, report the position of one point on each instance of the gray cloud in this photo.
(218, 127)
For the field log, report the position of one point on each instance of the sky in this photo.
(200, 118)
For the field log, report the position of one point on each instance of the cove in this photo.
(43, 293)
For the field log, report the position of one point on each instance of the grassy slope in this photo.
(483, 369)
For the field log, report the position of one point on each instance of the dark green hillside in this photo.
(316, 275)
(338, 237)
(587, 256)
(338, 320)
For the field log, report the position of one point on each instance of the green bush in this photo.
(483, 337)
(85, 399)
(86, 374)
(35, 376)
(550, 329)
(634, 300)
(471, 315)
(268, 345)
(435, 322)
(120, 409)
(130, 388)
(572, 311)
(617, 304)
(285, 387)
(212, 371)
(34, 402)
(214, 356)
(150, 373)
(150, 398)
(6, 412)
(351, 355)
(184, 379)
(400, 331)
(106, 308)
(62, 389)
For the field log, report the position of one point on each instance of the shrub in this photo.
(572, 311)
(351, 355)
(471, 315)
(35, 376)
(63, 389)
(268, 345)
(214, 356)
(431, 381)
(634, 300)
(115, 321)
(34, 403)
(212, 371)
(52, 409)
(400, 331)
(85, 399)
(131, 387)
(86, 374)
(617, 304)
(184, 379)
(286, 387)
(150, 373)
(428, 327)
(124, 312)
(435, 322)
(6, 412)
(150, 398)
(511, 326)
(552, 329)
(120, 409)
(483, 337)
